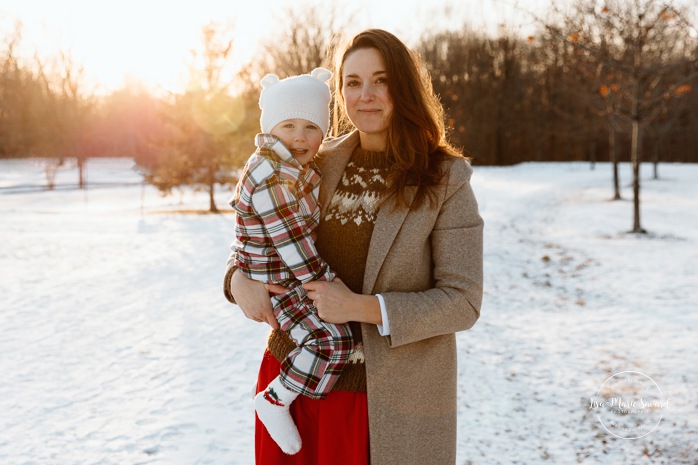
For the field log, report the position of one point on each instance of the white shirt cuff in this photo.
(384, 329)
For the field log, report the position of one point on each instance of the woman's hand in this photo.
(337, 304)
(253, 298)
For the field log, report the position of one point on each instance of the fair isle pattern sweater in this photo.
(342, 241)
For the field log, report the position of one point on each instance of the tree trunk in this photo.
(81, 172)
(498, 137)
(212, 202)
(51, 166)
(592, 153)
(211, 189)
(636, 143)
(655, 159)
(635, 154)
(616, 181)
(613, 157)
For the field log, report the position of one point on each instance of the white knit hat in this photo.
(305, 96)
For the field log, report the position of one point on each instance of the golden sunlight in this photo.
(116, 42)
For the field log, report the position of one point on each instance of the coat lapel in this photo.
(388, 224)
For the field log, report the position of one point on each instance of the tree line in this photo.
(604, 81)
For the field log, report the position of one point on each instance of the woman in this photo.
(400, 226)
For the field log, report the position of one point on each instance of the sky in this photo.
(149, 41)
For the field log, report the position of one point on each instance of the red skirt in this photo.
(334, 431)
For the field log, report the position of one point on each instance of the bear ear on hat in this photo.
(269, 80)
(321, 74)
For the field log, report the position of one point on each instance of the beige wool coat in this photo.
(427, 265)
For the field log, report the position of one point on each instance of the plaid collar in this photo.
(266, 141)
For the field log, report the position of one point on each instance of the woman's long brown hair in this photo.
(416, 136)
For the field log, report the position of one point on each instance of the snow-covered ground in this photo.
(117, 346)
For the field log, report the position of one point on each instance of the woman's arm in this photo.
(453, 302)
(252, 297)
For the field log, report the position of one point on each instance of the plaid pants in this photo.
(313, 367)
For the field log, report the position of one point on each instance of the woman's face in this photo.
(366, 95)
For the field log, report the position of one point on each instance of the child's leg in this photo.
(323, 350)
(311, 369)
(272, 403)
(272, 407)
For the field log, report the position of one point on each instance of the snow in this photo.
(118, 346)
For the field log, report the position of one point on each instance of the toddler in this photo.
(276, 201)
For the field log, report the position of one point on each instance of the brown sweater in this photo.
(343, 238)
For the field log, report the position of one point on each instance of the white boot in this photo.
(272, 406)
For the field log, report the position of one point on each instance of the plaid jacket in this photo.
(276, 201)
(277, 213)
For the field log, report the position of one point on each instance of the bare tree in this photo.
(66, 113)
(304, 42)
(481, 84)
(609, 93)
(202, 123)
(75, 107)
(639, 46)
(501, 94)
(457, 63)
(668, 119)
(23, 102)
(44, 106)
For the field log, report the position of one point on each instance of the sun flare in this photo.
(145, 42)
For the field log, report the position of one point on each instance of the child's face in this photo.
(301, 137)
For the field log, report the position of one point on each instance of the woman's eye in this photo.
(352, 83)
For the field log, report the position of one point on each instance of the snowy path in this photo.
(570, 301)
(118, 347)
